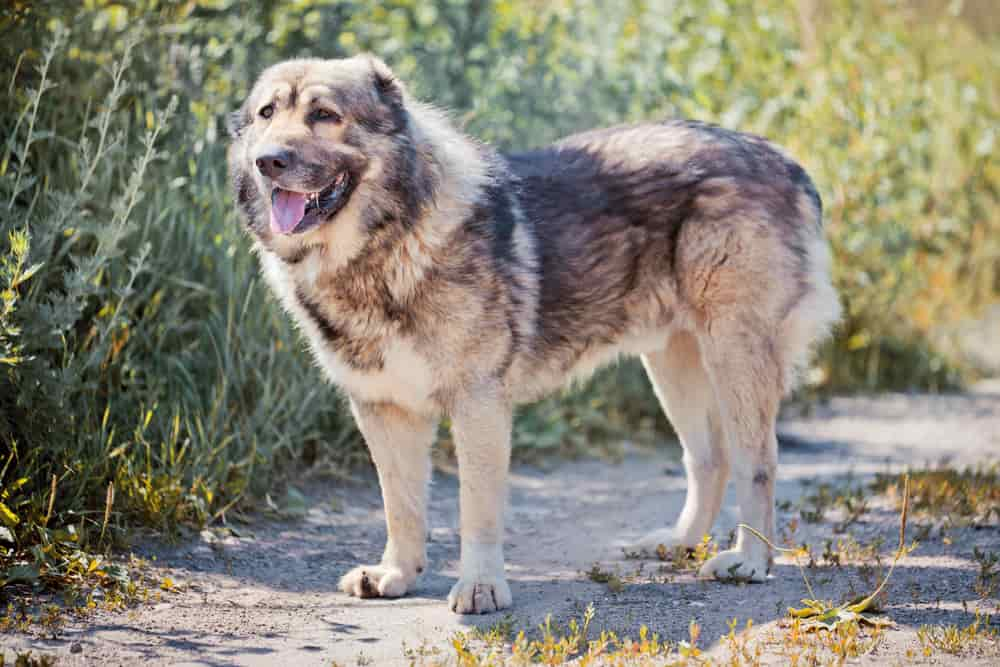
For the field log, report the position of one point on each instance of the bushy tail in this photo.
(810, 319)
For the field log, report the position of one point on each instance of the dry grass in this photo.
(962, 497)
(978, 639)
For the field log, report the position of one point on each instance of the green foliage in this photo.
(142, 372)
(140, 353)
(617, 405)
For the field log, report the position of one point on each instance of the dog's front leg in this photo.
(400, 443)
(481, 423)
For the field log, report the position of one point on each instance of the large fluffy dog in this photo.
(434, 276)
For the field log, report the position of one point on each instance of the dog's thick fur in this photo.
(458, 281)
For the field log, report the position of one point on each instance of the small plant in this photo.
(742, 652)
(424, 654)
(814, 505)
(689, 648)
(686, 559)
(553, 645)
(28, 659)
(850, 501)
(969, 496)
(818, 614)
(611, 579)
(958, 641)
(497, 634)
(803, 644)
(988, 577)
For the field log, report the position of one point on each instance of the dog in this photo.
(433, 275)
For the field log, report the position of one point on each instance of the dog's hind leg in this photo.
(681, 383)
(400, 444)
(744, 365)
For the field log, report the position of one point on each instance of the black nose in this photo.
(273, 163)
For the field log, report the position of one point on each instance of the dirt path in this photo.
(270, 596)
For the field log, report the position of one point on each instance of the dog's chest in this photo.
(360, 349)
(404, 377)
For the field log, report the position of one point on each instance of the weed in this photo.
(28, 659)
(104, 585)
(850, 502)
(741, 650)
(685, 559)
(552, 645)
(555, 646)
(611, 579)
(425, 654)
(970, 496)
(988, 577)
(803, 644)
(821, 614)
(959, 641)
(497, 634)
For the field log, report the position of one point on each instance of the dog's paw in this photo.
(653, 544)
(737, 566)
(479, 597)
(375, 581)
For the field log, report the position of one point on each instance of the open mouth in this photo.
(294, 212)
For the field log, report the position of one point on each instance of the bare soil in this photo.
(270, 596)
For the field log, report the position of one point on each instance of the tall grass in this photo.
(143, 371)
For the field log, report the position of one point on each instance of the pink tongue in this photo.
(287, 209)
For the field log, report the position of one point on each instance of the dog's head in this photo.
(308, 137)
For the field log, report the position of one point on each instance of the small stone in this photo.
(76, 647)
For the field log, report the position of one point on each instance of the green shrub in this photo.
(141, 367)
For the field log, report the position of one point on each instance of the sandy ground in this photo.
(270, 596)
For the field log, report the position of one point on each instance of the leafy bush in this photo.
(143, 366)
(143, 373)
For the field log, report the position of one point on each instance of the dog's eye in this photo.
(266, 111)
(324, 114)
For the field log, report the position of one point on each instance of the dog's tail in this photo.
(817, 309)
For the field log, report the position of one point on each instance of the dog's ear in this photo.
(387, 86)
(236, 121)
(390, 115)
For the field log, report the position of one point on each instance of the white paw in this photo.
(733, 565)
(376, 581)
(480, 597)
(649, 545)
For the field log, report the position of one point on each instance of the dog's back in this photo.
(630, 222)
